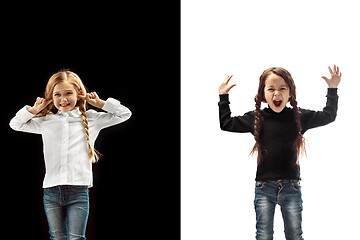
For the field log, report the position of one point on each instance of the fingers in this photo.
(88, 96)
(325, 78)
(92, 95)
(42, 102)
(227, 79)
(335, 70)
(331, 72)
(231, 86)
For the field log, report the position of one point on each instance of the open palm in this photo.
(224, 87)
(335, 78)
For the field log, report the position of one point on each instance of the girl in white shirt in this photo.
(69, 133)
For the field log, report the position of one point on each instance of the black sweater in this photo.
(278, 134)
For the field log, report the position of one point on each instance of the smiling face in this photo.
(276, 92)
(65, 96)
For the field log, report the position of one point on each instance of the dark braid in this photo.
(299, 144)
(257, 128)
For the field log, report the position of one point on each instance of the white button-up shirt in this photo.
(64, 143)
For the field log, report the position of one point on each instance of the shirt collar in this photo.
(73, 113)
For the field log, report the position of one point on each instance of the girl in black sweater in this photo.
(278, 131)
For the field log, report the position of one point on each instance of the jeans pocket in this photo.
(79, 189)
(259, 185)
(296, 185)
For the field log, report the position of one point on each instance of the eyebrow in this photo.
(284, 85)
(64, 91)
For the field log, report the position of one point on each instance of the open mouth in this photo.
(277, 103)
(64, 104)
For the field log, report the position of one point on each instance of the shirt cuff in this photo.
(24, 115)
(111, 105)
(332, 91)
(224, 97)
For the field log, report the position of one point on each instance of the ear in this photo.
(291, 97)
(81, 95)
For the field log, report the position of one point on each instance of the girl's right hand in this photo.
(224, 87)
(39, 105)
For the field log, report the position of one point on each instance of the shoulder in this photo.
(305, 112)
(91, 113)
(47, 117)
(248, 116)
(250, 113)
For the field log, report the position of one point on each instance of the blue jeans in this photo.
(286, 193)
(67, 211)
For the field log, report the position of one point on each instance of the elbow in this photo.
(224, 126)
(13, 126)
(331, 118)
(128, 115)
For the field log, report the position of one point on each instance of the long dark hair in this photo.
(299, 144)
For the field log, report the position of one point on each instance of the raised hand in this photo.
(224, 87)
(335, 78)
(39, 105)
(93, 99)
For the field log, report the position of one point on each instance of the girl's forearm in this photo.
(32, 110)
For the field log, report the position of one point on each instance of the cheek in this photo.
(74, 99)
(56, 101)
(267, 97)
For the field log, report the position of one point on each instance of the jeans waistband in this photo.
(282, 181)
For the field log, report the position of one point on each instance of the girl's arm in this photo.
(115, 112)
(23, 119)
(232, 124)
(24, 122)
(312, 119)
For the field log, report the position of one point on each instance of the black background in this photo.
(129, 51)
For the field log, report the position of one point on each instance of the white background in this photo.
(244, 38)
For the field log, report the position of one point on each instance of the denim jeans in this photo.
(67, 211)
(286, 193)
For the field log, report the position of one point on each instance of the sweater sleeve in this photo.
(240, 124)
(312, 119)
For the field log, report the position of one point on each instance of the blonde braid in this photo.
(92, 154)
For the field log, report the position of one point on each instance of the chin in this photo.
(277, 109)
(65, 109)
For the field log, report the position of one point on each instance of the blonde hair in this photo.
(74, 79)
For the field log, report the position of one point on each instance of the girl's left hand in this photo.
(93, 99)
(335, 79)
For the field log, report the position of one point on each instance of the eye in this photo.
(69, 93)
(56, 94)
(270, 89)
(283, 89)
